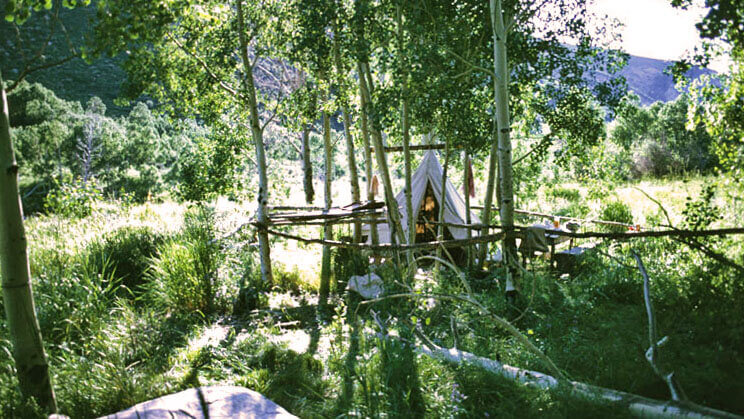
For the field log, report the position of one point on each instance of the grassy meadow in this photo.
(138, 301)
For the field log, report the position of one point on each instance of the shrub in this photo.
(575, 209)
(251, 288)
(616, 211)
(137, 184)
(286, 280)
(184, 272)
(74, 199)
(653, 159)
(598, 191)
(701, 212)
(129, 251)
(569, 194)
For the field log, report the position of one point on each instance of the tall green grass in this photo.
(183, 278)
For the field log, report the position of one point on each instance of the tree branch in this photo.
(547, 138)
(694, 244)
(28, 70)
(652, 353)
(226, 87)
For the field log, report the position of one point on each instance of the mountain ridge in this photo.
(78, 81)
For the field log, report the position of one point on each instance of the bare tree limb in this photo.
(28, 70)
(694, 244)
(500, 321)
(652, 354)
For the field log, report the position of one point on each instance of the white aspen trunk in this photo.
(325, 269)
(392, 212)
(488, 199)
(307, 167)
(249, 92)
(637, 405)
(405, 128)
(407, 168)
(350, 157)
(368, 165)
(30, 359)
(353, 174)
(501, 90)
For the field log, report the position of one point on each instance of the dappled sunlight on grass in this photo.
(48, 231)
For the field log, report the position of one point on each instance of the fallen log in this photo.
(637, 405)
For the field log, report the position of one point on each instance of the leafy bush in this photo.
(598, 190)
(33, 194)
(286, 280)
(616, 211)
(653, 159)
(128, 251)
(138, 185)
(663, 141)
(701, 212)
(73, 199)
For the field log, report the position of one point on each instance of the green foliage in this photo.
(73, 294)
(118, 364)
(280, 374)
(569, 194)
(660, 140)
(598, 191)
(33, 194)
(700, 213)
(60, 32)
(140, 155)
(717, 106)
(204, 170)
(127, 252)
(14, 405)
(574, 209)
(183, 278)
(617, 211)
(75, 199)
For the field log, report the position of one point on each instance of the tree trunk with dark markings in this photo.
(31, 363)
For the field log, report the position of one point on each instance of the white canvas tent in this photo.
(429, 172)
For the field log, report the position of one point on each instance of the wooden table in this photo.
(553, 239)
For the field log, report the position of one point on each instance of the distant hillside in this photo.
(646, 78)
(78, 81)
(74, 80)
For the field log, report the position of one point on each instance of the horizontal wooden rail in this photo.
(293, 208)
(550, 216)
(412, 148)
(659, 233)
(392, 247)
